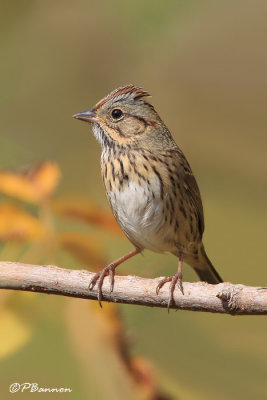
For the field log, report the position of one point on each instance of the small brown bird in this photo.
(149, 184)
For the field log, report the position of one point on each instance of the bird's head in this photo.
(123, 117)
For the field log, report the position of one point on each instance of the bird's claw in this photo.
(100, 276)
(162, 283)
(173, 279)
(93, 281)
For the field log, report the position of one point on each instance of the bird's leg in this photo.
(109, 270)
(177, 278)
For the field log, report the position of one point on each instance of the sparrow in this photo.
(150, 186)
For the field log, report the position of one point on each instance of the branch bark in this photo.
(224, 298)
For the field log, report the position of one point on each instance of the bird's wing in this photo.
(191, 186)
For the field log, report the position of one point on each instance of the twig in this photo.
(199, 296)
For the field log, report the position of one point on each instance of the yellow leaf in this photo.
(16, 185)
(17, 225)
(87, 212)
(84, 247)
(14, 333)
(45, 178)
(33, 186)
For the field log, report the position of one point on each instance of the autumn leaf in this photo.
(17, 225)
(16, 185)
(45, 178)
(35, 185)
(87, 212)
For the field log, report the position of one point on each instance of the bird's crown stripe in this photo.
(129, 90)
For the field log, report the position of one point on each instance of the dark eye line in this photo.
(137, 117)
(145, 122)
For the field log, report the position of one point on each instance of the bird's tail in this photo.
(205, 269)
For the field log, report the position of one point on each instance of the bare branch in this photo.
(199, 296)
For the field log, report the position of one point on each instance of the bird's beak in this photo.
(88, 115)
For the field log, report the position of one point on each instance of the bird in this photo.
(150, 186)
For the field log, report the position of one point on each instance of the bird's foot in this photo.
(177, 278)
(100, 276)
(109, 270)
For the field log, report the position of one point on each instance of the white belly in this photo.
(140, 214)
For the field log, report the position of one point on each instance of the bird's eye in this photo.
(116, 113)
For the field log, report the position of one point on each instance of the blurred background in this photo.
(205, 65)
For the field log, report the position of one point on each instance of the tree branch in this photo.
(199, 296)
